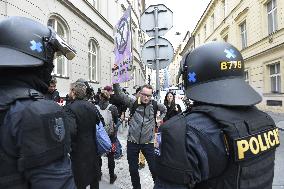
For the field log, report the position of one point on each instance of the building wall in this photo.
(262, 50)
(83, 22)
(174, 66)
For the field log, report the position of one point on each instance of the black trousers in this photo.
(132, 157)
(94, 185)
(110, 158)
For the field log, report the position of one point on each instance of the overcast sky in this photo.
(186, 14)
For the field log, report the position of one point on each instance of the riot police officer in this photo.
(225, 142)
(34, 132)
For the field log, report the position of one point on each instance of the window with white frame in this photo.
(60, 63)
(247, 76)
(213, 22)
(272, 16)
(225, 38)
(243, 30)
(225, 7)
(93, 61)
(198, 37)
(275, 77)
(205, 32)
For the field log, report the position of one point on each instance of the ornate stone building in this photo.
(88, 25)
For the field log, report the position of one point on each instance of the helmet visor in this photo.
(226, 92)
(61, 47)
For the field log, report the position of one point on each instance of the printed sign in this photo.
(122, 69)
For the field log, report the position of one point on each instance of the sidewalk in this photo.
(106, 185)
(121, 170)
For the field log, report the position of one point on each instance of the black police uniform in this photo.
(217, 145)
(34, 132)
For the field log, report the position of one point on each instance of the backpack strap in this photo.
(108, 106)
(155, 107)
(97, 109)
(133, 108)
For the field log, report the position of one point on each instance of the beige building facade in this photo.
(256, 28)
(88, 26)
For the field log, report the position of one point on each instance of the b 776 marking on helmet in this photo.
(191, 77)
(36, 46)
(230, 53)
(231, 65)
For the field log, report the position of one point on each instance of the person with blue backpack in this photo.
(109, 113)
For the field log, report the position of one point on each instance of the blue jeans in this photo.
(132, 157)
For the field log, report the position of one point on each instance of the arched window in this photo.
(93, 61)
(60, 63)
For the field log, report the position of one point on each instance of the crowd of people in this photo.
(223, 141)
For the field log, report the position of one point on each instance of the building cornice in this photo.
(281, 45)
(205, 13)
(81, 15)
(200, 21)
(263, 40)
(242, 13)
(186, 47)
(224, 31)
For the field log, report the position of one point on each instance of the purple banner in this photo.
(122, 69)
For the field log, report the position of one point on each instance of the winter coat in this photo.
(142, 122)
(171, 111)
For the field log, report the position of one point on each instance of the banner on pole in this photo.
(122, 69)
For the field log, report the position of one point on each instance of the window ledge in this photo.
(273, 94)
(94, 82)
(60, 76)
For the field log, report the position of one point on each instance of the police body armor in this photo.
(250, 138)
(42, 137)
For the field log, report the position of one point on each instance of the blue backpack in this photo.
(102, 138)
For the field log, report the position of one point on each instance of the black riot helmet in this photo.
(215, 75)
(27, 43)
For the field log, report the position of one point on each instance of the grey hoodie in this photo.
(142, 123)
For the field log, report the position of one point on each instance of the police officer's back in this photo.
(225, 141)
(34, 134)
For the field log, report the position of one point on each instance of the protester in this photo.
(141, 129)
(34, 132)
(110, 115)
(85, 160)
(52, 93)
(172, 108)
(222, 143)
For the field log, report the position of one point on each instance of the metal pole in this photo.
(157, 53)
